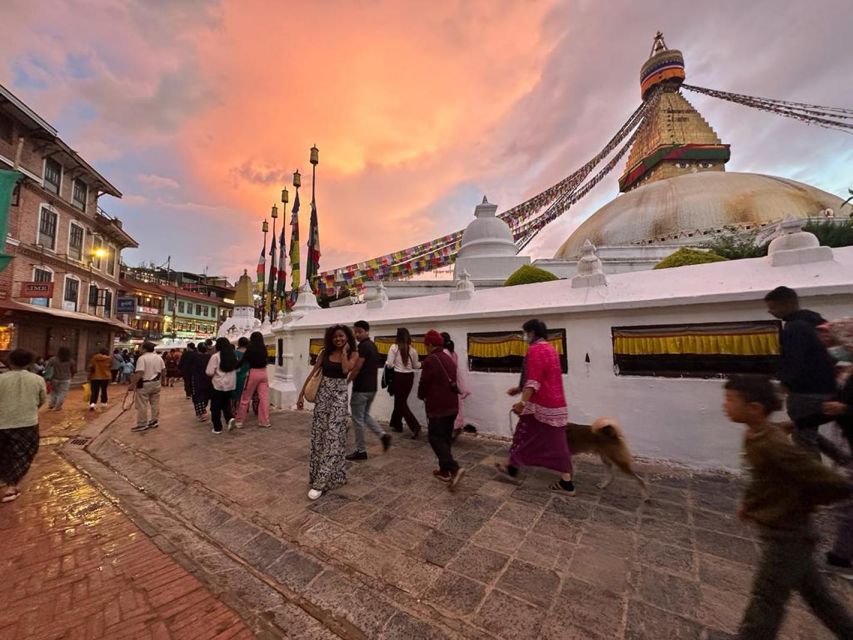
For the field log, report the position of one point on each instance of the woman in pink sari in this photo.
(540, 437)
(464, 392)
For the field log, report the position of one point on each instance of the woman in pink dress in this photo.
(464, 392)
(540, 437)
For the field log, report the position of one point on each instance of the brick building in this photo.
(60, 286)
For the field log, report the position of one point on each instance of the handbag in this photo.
(312, 387)
(388, 380)
(453, 386)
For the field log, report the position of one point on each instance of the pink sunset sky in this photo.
(199, 111)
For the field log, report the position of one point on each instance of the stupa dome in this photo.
(487, 235)
(694, 206)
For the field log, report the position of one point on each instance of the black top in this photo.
(333, 369)
(805, 365)
(256, 358)
(365, 381)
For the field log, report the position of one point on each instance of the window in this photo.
(16, 196)
(52, 175)
(198, 309)
(706, 350)
(75, 241)
(111, 260)
(108, 303)
(6, 128)
(42, 274)
(79, 194)
(503, 352)
(72, 293)
(181, 306)
(97, 246)
(47, 229)
(93, 296)
(205, 311)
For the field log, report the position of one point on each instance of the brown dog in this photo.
(605, 438)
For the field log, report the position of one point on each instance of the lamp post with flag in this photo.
(294, 241)
(262, 267)
(312, 263)
(282, 263)
(273, 270)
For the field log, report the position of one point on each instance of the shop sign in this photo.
(36, 289)
(150, 310)
(126, 304)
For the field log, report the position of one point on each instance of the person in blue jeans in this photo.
(59, 371)
(364, 386)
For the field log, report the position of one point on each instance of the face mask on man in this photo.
(839, 353)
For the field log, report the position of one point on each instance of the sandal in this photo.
(10, 497)
(512, 474)
(557, 485)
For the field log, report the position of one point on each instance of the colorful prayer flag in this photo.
(294, 249)
(312, 263)
(262, 267)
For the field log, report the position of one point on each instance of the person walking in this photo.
(439, 390)
(99, 378)
(806, 370)
(256, 381)
(187, 365)
(242, 374)
(540, 436)
(841, 410)
(786, 485)
(403, 359)
(126, 370)
(21, 394)
(222, 369)
(364, 388)
(59, 371)
(201, 383)
(464, 392)
(326, 464)
(147, 382)
(115, 365)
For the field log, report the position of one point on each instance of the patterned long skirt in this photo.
(326, 465)
(18, 447)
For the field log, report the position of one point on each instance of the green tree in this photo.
(687, 256)
(528, 274)
(736, 246)
(832, 233)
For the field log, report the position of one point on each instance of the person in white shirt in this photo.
(146, 381)
(403, 359)
(222, 369)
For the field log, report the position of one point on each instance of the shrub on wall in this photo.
(737, 247)
(528, 274)
(832, 233)
(687, 256)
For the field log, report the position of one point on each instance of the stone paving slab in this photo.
(393, 553)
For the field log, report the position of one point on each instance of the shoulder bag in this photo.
(453, 386)
(313, 385)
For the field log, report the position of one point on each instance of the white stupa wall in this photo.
(664, 418)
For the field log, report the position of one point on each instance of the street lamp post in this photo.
(273, 273)
(282, 270)
(265, 227)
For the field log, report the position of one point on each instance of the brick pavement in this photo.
(75, 567)
(394, 555)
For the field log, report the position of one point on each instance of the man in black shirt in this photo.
(806, 370)
(364, 379)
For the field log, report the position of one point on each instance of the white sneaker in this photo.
(91, 406)
(313, 494)
(103, 406)
(231, 424)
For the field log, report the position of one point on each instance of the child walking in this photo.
(786, 484)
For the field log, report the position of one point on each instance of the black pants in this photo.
(220, 405)
(403, 383)
(114, 373)
(98, 386)
(440, 434)
(188, 386)
(788, 564)
(807, 435)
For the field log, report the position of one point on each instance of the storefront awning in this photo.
(24, 307)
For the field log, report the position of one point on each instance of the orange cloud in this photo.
(397, 96)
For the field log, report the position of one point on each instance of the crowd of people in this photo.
(787, 480)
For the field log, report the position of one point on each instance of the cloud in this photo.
(157, 182)
(418, 108)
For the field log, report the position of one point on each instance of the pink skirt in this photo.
(536, 444)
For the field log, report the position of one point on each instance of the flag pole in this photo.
(262, 267)
(294, 240)
(273, 272)
(313, 263)
(282, 263)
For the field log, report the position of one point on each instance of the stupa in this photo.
(676, 190)
(488, 252)
(243, 321)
